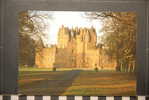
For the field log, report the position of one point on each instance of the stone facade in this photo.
(45, 58)
(76, 48)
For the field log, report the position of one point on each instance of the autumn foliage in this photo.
(119, 37)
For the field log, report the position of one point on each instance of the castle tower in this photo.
(93, 35)
(63, 37)
(76, 48)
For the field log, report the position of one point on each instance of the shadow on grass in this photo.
(51, 83)
(77, 82)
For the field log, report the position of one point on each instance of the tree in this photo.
(32, 27)
(119, 37)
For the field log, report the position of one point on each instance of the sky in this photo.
(68, 19)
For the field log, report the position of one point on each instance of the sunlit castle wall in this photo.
(63, 37)
(45, 57)
(65, 55)
(87, 53)
(76, 48)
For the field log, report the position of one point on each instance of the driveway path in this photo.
(55, 85)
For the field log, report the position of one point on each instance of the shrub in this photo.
(54, 69)
(96, 69)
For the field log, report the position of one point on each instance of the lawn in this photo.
(76, 82)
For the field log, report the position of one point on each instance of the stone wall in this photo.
(76, 48)
(45, 58)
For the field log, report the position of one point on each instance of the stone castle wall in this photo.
(76, 48)
(45, 57)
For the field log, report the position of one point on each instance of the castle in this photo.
(76, 48)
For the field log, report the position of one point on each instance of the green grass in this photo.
(60, 69)
(34, 69)
(42, 69)
(76, 82)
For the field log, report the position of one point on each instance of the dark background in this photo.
(9, 39)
